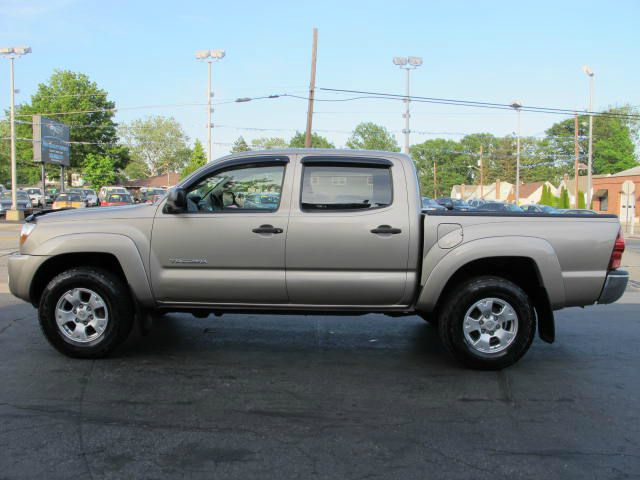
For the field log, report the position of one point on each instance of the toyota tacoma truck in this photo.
(314, 232)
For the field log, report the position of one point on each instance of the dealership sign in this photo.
(50, 141)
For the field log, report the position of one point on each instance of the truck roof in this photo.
(334, 152)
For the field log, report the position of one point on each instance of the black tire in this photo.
(455, 307)
(117, 301)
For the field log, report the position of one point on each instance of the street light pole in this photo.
(590, 74)
(408, 64)
(517, 105)
(209, 56)
(12, 53)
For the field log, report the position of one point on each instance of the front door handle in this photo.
(386, 229)
(267, 229)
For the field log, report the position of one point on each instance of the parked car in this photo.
(23, 202)
(454, 204)
(430, 205)
(92, 198)
(69, 200)
(578, 211)
(117, 199)
(476, 202)
(104, 191)
(36, 197)
(348, 235)
(147, 195)
(499, 207)
(261, 200)
(533, 208)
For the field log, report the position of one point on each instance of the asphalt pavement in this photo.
(248, 396)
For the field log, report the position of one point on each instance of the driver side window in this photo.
(255, 189)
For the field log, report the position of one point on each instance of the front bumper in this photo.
(614, 286)
(22, 269)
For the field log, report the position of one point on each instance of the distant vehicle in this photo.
(23, 202)
(116, 200)
(104, 191)
(499, 207)
(454, 204)
(1, 188)
(578, 211)
(539, 209)
(147, 195)
(69, 200)
(430, 205)
(35, 194)
(92, 198)
(263, 200)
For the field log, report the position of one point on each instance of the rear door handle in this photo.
(386, 229)
(267, 229)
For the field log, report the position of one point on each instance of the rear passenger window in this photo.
(326, 188)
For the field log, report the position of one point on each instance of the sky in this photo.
(143, 54)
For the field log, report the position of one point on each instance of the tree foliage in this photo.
(268, 143)
(240, 145)
(86, 109)
(564, 201)
(157, 141)
(317, 141)
(369, 136)
(198, 159)
(99, 170)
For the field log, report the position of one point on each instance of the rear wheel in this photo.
(86, 312)
(488, 323)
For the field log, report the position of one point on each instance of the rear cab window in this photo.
(329, 184)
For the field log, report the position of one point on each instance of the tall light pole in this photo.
(517, 105)
(209, 56)
(408, 64)
(12, 53)
(590, 74)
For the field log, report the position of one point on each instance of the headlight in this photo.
(27, 228)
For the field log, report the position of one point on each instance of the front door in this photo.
(348, 237)
(228, 247)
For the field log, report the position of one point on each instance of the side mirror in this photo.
(176, 201)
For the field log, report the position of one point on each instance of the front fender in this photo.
(121, 246)
(539, 250)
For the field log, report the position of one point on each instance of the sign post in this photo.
(50, 145)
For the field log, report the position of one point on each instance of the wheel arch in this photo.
(112, 252)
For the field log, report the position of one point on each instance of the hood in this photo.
(102, 213)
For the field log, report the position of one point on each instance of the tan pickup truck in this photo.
(314, 231)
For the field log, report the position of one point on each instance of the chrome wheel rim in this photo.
(82, 315)
(490, 325)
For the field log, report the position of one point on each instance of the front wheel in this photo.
(86, 312)
(487, 323)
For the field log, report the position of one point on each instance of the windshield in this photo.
(69, 197)
(33, 191)
(89, 192)
(119, 198)
(20, 195)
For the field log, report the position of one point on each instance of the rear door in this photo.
(348, 237)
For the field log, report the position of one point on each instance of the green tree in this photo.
(564, 202)
(240, 145)
(582, 202)
(317, 141)
(450, 164)
(99, 170)
(159, 142)
(197, 160)
(369, 136)
(136, 169)
(268, 143)
(71, 98)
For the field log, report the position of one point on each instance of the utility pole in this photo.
(517, 106)
(312, 88)
(590, 73)
(12, 53)
(408, 64)
(435, 180)
(209, 56)
(481, 175)
(577, 153)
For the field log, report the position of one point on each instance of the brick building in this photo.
(608, 196)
